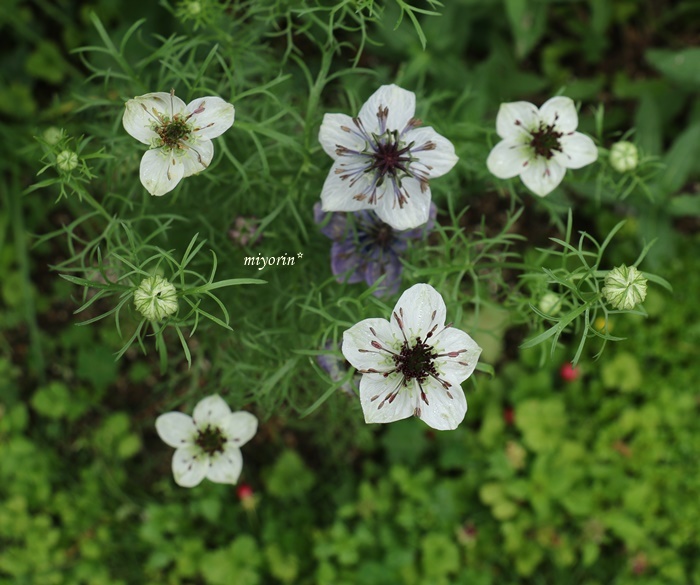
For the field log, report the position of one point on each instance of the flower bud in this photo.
(247, 497)
(550, 303)
(625, 287)
(52, 135)
(155, 298)
(624, 156)
(569, 372)
(67, 160)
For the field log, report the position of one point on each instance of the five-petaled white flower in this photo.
(413, 364)
(179, 135)
(207, 443)
(384, 159)
(539, 145)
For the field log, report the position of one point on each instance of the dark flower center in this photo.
(173, 132)
(382, 236)
(389, 156)
(545, 141)
(210, 440)
(415, 362)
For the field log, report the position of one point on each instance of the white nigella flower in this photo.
(384, 159)
(179, 135)
(539, 145)
(207, 443)
(413, 364)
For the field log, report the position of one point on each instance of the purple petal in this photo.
(391, 267)
(336, 227)
(346, 263)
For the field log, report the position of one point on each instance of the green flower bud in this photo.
(67, 160)
(624, 156)
(550, 303)
(52, 135)
(625, 287)
(155, 298)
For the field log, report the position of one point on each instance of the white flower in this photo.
(207, 443)
(155, 298)
(383, 159)
(539, 145)
(413, 364)
(179, 135)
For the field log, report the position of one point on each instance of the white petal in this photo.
(542, 176)
(446, 408)
(176, 429)
(338, 194)
(239, 427)
(578, 149)
(189, 466)
(507, 159)
(332, 135)
(161, 171)
(458, 352)
(515, 119)
(560, 111)
(420, 309)
(431, 150)
(211, 410)
(375, 392)
(401, 104)
(197, 156)
(211, 116)
(139, 122)
(359, 351)
(415, 210)
(225, 467)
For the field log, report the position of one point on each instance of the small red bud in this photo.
(509, 415)
(569, 373)
(244, 492)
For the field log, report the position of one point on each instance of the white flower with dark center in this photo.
(413, 364)
(179, 135)
(384, 159)
(208, 442)
(539, 145)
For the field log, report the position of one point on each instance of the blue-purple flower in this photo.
(365, 248)
(336, 366)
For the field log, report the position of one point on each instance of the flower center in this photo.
(173, 132)
(415, 362)
(382, 236)
(210, 440)
(389, 156)
(545, 141)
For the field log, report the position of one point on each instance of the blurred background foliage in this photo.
(554, 477)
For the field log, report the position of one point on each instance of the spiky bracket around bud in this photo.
(624, 288)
